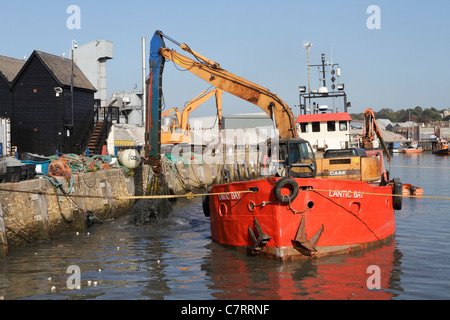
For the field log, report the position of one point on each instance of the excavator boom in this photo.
(212, 73)
(301, 165)
(197, 101)
(370, 130)
(184, 136)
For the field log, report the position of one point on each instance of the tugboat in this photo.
(441, 147)
(291, 214)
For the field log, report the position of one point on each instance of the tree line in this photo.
(418, 115)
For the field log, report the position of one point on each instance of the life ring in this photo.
(286, 181)
(398, 191)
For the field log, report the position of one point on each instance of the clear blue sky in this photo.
(401, 65)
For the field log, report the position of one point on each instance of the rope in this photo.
(420, 167)
(188, 195)
(382, 194)
(191, 195)
(365, 224)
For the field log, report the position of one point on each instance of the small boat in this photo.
(412, 148)
(441, 148)
(410, 190)
(395, 147)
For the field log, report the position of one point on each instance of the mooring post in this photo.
(4, 250)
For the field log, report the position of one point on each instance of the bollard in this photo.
(4, 249)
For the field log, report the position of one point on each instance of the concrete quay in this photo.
(34, 210)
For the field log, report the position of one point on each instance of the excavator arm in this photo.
(212, 73)
(371, 129)
(196, 102)
(183, 135)
(168, 113)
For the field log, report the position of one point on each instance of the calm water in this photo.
(175, 258)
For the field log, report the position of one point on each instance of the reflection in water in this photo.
(337, 277)
(174, 258)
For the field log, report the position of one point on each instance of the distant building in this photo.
(130, 106)
(91, 59)
(385, 124)
(446, 113)
(9, 68)
(246, 121)
(44, 119)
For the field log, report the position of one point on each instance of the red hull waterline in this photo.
(326, 217)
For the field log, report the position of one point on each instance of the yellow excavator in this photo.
(179, 130)
(294, 154)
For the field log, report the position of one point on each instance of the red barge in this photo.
(287, 218)
(297, 212)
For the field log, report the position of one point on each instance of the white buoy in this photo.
(130, 158)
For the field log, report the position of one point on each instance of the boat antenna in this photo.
(307, 45)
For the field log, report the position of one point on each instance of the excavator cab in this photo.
(291, 157)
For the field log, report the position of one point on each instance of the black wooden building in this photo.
(9, 68)
(45, 118)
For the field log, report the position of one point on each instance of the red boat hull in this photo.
(353, 214)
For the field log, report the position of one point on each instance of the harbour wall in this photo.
(35, 210)
(191, 172)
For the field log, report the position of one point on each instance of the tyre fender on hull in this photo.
(286, 181)
(205, 204)
(398, 192)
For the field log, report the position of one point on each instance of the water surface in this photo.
(175, 259)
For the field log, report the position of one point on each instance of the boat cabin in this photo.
(325, 130)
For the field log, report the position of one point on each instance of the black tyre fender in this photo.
(398, 191)
(281, 184)
(205, 204)
(225, 175)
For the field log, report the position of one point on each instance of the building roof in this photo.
(406, 124)
(321, 117)
(10, 67)
(61, 69)
(383, 123)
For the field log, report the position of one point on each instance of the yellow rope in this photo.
(420, 167)
(191, 195)
(188, 195)
(382, 194)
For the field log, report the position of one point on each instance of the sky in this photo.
(394, 57)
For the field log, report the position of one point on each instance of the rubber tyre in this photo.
(205, 205)
(281, 184)
(398, 190)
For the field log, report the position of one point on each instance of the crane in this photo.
(371, 129)
(302, 162)
(183, 135)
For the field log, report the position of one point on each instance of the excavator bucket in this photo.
(153, 101)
